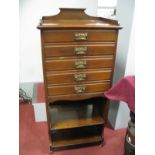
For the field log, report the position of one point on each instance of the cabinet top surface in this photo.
(76, 18)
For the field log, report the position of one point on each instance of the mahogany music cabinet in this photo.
(78, 57)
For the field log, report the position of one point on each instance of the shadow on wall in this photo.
(125, 13)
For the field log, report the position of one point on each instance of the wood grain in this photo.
(73, 114)
(69, 35)
(73, 97)
(69, 18)
(69, 64)
(69, 77)
(77, 123)
(76, 137)
(75, 142)
(93, 49)
(69, 89)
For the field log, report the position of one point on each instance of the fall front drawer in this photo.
(74, 76)
(57, 50)
(79, 35)
(71, 64)
(78, 89)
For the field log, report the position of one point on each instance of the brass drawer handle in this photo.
(81, 36)
(79, 89)
(80, 64)
(80, 77)
(80, 50)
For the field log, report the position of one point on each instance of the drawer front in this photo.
(78, 50)
(79, 36)
(72, 64)
(74, 77)
(74, 96)
(78, 89)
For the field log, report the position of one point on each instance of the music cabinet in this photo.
(78, 57)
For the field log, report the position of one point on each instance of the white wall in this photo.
(27, 88)
(107, 3)
(125, 11)
(31, 12)
(123, 114)
(130, 64)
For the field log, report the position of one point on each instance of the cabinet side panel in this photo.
(106, 108)
(45, 83)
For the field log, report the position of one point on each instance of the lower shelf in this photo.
(75, 143)
(75, 138)
(76, 124)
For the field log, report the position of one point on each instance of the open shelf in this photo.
(73, 114)
(76, 137)
(72, 143)
(77, 123)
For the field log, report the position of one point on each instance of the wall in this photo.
(125, 11)
(130, 64)
(123, 114)
(28, 88)
(30, 50)
(119, 112)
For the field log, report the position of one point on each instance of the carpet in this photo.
(34, 138)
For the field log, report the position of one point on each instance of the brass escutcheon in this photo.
(80, 64)
(79, 89)
(80, 77)
(80, 50)
(81, 36)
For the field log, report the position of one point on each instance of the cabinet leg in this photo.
(102, 143)
(51, 150)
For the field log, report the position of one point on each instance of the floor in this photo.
(34, 138)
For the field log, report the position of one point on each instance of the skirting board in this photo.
(40, 112)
